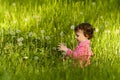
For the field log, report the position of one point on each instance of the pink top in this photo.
(82, 52)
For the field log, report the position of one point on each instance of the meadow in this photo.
(30, 31)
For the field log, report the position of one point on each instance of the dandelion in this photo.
(101, 17)
(117, 31)
(20, 39)
(14, 4)
(96, 29)
(25, 19)
(18, 31)
(54, 48)
(72, 27)
(36, 57)
(25, 57)
(47, 37)
(106, 23)
(30, 34)
(81, 13)
(20, 44)
(12, 32)
(61, 33)
(15, 21)
(42, 31)
(93, 3)
(107, 31)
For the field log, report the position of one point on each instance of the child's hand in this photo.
(62, 47)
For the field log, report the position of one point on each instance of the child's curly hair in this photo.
(87, 29)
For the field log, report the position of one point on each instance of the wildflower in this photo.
(47, 37)
(12, 32)
(15, 21)
(20, 39)
(30, 34)
(72, 27)
(96, 29)
(25, 57)
(42, 31)
(54, 48)
(117, 31)
(61, 33)
(20, 43)
(36, 57)
(14, 4)
(107, 31)
(81, 13)
(25, 19)
(93, 3)
(18, 31)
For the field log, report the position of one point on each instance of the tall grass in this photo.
(30, 31)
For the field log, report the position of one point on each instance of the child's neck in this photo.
(83, 40)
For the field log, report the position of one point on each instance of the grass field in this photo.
(30, 31)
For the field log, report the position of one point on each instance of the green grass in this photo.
(30, 31)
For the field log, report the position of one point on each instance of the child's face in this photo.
(80, 36)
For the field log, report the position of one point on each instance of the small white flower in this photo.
(18, 31)
(61, 33)
(30, 34)
(36, 57)
(26, 19)
(15, 21)
(96, 29)
(72, 27)
(12, 32)
(81, 13)
(101, 17)
(25, 57)
(107, 31)
(20, 39)
(54, 48)
(42, 31)
(93, 3)
(117, 31)
(14, 4)
(20, 43)
(47, 37)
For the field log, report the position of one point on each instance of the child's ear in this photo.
(86, 35)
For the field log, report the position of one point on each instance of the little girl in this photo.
(82, 53)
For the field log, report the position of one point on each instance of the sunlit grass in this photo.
(31, 30)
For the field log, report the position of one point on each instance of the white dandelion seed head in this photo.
(36, 57)
(107, 31)
(26, 19)
(42, 31)
(20, 39)
(96, 29)
(54, 48)
(20, 44)
(12, 32)
(61, 33)
(25, 57)
(72, 27)
(30, 34)
(93, 3)
(117, 31)
(18, 31)
(14, 4)
(15, 21)
(47, 37)
(101, 17)
(81, 13)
